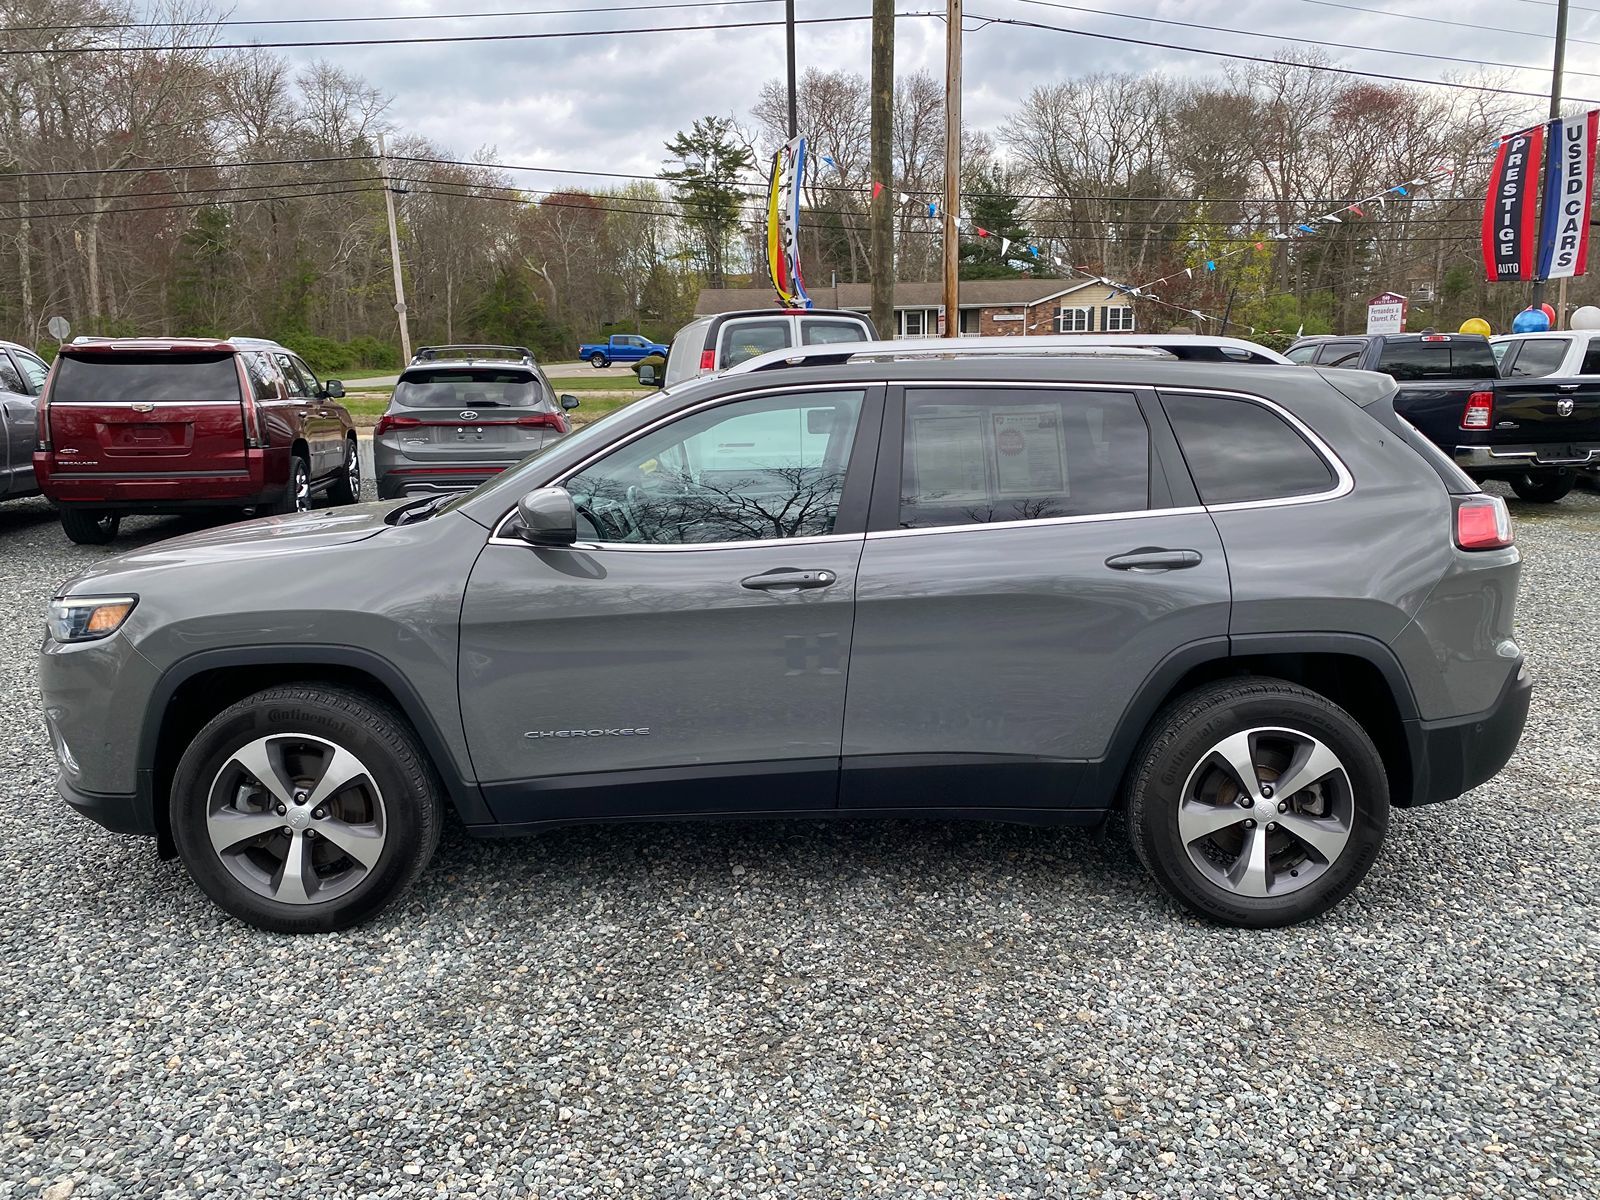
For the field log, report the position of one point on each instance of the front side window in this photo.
(1301, 354)
(975, 456)
(291, 377)
(1118, 319)
(1238, 450)
(1538, 357)
(309, 376)
(744, 340)
(1341, 354)
(33, 371)
(1074, 320)
(751, 470)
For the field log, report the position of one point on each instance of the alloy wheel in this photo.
(353, 472)
(1266, 812)
(296, 819)
(302, 490)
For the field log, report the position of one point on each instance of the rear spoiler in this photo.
(467, 349)
(1374, 394)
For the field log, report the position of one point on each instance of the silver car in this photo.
(461, 414)
(22, 376)
(1245, 605)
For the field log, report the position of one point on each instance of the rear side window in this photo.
(10, 377)
(744, 340)
(1538, 357)
(1445, 359)
(110, 378)
(1301, 354)
(263, 379)
(973, 457)
(1239, 451)
(476, 387)
(826, 333)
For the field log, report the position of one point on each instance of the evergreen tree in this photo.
(995, 207)
(705, 183)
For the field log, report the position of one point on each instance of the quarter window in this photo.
(974, 457)
(752, 470)
(1239, 451)
(1074, 320)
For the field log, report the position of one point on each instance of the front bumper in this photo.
(119, 813)
(1453, 756)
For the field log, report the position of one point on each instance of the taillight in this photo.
(542, 421)
(1479, 411)
(708, 360)
(43, 419)
(388, 422)
(247, 403)
(1482, 523)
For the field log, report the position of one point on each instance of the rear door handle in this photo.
(1154, 558)
(784, 579)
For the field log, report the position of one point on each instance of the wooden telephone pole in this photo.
(952, 169)
(394, 259)
(880, 261)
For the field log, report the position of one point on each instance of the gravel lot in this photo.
(818, 1010)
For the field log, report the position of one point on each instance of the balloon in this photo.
(1587, 317)
(1550, 313)
(1530, 320)
(1481, 327)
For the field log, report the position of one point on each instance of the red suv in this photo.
(154, 425)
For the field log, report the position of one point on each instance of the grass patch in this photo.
(596, 383)
(365, 409)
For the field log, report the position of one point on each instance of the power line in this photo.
(1274, 62)
(1298, 41)
(1378, 12)
(151, 168)
(450, 38)
(194, 191)
(230, 21)
(111, 212)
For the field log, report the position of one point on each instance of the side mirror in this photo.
(568, 400)
(547, 517)
(647, 376)
(333, 389)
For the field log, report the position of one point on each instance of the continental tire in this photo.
(1257, 802)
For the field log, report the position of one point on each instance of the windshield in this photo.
(467, 387)
(1463, 359)
(109, 378)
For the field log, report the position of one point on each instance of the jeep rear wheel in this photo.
(1257, 802)
(305, 809)
(90, 528)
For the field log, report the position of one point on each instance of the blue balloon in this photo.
(1530, 320)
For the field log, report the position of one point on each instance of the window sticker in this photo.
(1028, 455)
(949, 457)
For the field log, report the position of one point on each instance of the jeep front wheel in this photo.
(305, 809)
(1257, 802)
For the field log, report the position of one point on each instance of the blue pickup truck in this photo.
(619, 348)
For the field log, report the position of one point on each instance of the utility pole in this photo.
(952, 168)
(394, 258)
(880, 261)
(1555, 107)
(788, 21)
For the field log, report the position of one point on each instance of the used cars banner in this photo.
(1568, 183)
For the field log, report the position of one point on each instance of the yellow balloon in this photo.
(1476, 325)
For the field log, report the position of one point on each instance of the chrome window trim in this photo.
(1039, 522)
(498, 536)
(499, 539)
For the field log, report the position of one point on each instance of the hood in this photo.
(254, 540)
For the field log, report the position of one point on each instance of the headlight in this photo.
(88, 618)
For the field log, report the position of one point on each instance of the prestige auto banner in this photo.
(1511, 206)
(1568, 185)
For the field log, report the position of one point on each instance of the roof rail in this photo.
(470, 350)
(1044, 346)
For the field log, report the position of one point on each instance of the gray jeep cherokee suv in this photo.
(1245, 604)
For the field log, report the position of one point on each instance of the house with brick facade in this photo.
(989, 307)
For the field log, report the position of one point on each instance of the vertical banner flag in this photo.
(1568, 184)
(1511, 206)
(783, 224)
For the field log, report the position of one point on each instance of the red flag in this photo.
(982, 232)
(1356, 208)
(877, 190)
(1511, 208)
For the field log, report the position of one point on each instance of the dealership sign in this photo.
(1386, 313)
(1511, 208)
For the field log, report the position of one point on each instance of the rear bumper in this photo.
(1491, 462)
(155, 491)
(397, 482)
(1454, 756)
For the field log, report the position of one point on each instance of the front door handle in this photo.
(785, 579)
(1568, 387)
(1154, 558)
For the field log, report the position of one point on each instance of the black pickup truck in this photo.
(1537, 434)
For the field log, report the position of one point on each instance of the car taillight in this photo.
(1479, 411)
(247, 402)
(543, 421)
(388, 422)
(708, 360)
(1482, 523)
(43, 418)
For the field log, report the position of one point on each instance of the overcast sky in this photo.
(609, 103)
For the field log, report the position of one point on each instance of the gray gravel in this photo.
(818, 1010)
